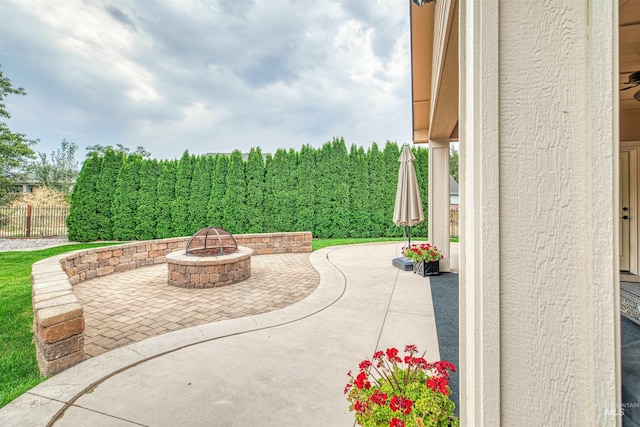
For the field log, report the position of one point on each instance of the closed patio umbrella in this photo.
(407, 210)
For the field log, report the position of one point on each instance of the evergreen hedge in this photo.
(330, 191)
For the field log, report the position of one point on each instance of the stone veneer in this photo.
(59, 317)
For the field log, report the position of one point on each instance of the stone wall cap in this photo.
(184, 259)
(60, 313)
(53, 302)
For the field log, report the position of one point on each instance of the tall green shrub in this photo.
(200, 193)
(218, 190)
(391, 167)
(360, 209)
(306, 190)
(255, 177)
(333, 191)
(377, 182)
(105, 190)
(125, 201)
(146, 212)
(166, 194)
(83, 219)
(280, 203)
(181, 224)
(234, 218)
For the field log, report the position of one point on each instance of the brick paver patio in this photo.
(127, 307)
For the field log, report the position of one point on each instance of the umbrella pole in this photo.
(409, 236)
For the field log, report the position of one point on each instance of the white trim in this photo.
(480, 346)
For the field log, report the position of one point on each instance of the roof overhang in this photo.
(434, 71)
(435, 76)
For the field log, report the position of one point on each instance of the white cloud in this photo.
(171, 75)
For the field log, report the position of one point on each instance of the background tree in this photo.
(218, 190)
(60, 171)
(145, 216)
(166, 191)
(83, 220)
(181, 225)
(119, 148)
(125, 200)
(233, 203)
(255, 177)
(111, 163)
(15, 148)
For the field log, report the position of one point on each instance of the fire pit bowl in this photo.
(212, 258)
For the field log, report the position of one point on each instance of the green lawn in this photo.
(323, 243)
(18, 366)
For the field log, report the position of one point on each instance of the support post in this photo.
(438, 212)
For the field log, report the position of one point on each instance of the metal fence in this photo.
(33, 221)
(454, 216)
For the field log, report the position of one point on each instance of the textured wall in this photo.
(540, 230)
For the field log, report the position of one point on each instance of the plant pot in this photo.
(424, 268)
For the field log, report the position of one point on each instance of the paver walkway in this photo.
(131, 306)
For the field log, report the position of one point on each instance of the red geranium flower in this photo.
(362, 381)
(379, 398)
(364, 365)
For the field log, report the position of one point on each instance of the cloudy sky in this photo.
(207, 75)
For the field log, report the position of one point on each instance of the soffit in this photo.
(421, 67)
(445, 80)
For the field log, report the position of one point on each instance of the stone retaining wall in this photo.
(58, 316)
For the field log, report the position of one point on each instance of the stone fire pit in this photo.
(192, 271)
(212, 258)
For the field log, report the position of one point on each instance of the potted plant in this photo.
(394, 392)
(426, 258)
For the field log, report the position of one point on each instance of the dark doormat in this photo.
(444, 292)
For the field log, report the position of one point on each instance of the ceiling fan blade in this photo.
(627, 88)
(637, 96)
